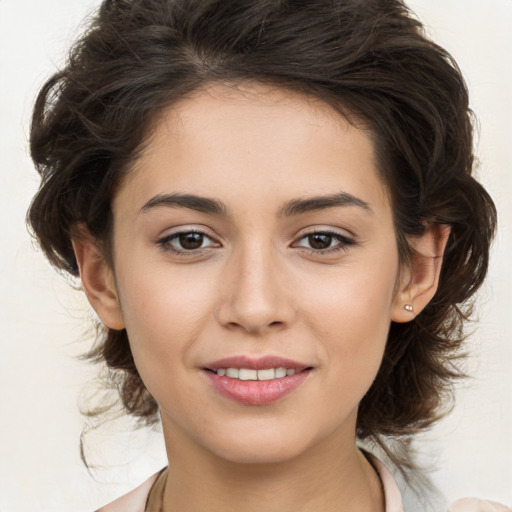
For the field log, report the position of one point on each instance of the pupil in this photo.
(320, 241)
(191, 240)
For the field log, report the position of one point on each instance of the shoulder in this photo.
(134, 501)
(477, 505)
(413, 496)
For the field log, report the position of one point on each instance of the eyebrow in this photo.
(289, 209)
(298, 206)
(191, 201)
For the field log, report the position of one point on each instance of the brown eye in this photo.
(184, 242)
(325, 242)
(319, 241)
(191, 241)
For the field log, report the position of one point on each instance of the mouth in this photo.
(256, 381)
(252, 374)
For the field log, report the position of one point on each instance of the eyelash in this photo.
(165, 243)
(343, 242)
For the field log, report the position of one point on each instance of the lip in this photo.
(253, 392)
(256, 363)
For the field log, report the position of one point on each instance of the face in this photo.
(254, 237)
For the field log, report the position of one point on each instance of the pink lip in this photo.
(256, 363)
(254, 392)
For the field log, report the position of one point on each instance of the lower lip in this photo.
(256, 392)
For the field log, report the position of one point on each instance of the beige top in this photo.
(148, 496)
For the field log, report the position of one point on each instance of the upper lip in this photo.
(257, 363)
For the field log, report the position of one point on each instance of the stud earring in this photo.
(409, 308)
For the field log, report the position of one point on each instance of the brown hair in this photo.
(369, 59)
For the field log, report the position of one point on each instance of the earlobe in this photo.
(97, 279)
(419, 281)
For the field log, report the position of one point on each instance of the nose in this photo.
(255, 295)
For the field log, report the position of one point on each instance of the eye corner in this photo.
(326, 237)
(174, 243)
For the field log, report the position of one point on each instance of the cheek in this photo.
(351, 313)
(164, 313)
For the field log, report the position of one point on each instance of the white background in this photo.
(44, 322)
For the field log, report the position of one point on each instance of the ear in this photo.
(97, 278)
(419, 280)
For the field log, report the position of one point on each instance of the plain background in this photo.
(44, 321)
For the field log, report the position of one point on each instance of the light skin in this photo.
(295, 255)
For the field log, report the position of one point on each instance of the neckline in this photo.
(155, 499)
(392, 495)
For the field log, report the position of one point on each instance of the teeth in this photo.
(280, 372)
(244, 374)
(232, 372)
(250, 374)
(267, 374)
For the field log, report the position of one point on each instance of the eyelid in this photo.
(164, 242)
(344, 241)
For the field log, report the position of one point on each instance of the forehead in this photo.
(225, 141)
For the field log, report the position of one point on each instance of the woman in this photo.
(271, 208)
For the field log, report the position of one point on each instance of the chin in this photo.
(260, 446)
(259, 454)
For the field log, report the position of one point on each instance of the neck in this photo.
(333, 477)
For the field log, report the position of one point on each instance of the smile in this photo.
(256, 381)
(251, 374)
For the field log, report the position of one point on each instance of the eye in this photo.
(186, 242)
(324, 242)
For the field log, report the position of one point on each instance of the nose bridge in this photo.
(256, 298)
